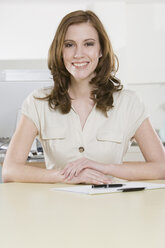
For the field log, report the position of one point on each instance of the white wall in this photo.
(136, 29)
(145, 43)
(27, 28)
(113, 16)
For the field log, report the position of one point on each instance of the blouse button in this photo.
(81, 149)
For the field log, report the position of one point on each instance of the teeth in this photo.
(79, 65)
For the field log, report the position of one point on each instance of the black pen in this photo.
(131, 189)
(113, 185)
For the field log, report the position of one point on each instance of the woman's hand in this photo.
(88, 176)
(74, 168)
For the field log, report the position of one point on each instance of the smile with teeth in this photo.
(80, 64)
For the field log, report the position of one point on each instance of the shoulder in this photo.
(36, 94)
(41, 93)
(126, 96)
(33, 99)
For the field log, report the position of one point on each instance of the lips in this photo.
(80, 64)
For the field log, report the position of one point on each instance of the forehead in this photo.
(82, 30)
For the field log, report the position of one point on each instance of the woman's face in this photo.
(81, 51)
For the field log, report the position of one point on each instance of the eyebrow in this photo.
(84, 40)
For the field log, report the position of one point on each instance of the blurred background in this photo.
(136, 29)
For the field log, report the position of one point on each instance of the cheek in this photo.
(95, 60)
(94, 55)
(66, 56)
(67, 61)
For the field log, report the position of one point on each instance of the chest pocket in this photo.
(55, 145)
(54, 133)
(109, 136)
(110, 145)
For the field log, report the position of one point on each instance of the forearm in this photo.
(137, 170)
(26, 173)
(127, 171)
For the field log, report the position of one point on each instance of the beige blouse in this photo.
(103, 139)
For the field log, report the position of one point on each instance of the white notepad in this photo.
(87, 189)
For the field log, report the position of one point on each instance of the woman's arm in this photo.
(153, 152)
(152, 149)
(15, 168)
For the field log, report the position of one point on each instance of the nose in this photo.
(78, 52)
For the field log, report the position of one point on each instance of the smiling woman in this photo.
(86, 121)
(81, 51)
(78, 32)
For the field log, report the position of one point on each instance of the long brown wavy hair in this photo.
(104, 83)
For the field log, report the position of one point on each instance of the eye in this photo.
(89, 44)
(68, 45)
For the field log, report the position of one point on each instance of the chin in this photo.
(83, 77)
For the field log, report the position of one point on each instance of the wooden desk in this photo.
(33, 216)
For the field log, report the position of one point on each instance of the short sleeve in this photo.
(136, 114)
(31, 110)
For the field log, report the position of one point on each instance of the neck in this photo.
(80, 89)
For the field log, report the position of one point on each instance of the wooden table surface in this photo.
(34, 216)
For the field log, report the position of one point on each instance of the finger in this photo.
(62, 172)
(100, 174)
(66, 168)
(67, 171)
(98, 178)
(72, 173)
(86, 163)
(95, 182)
(81, 166)
(71, 169)
(101, 177)
(71, 165)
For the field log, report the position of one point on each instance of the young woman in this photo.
(86, 121)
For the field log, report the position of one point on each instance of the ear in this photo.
(100, 54)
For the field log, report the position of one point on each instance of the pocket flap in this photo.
(54, 133)
(109, 135)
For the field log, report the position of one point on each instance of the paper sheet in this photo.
(87, 189)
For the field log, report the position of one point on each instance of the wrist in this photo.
(109, 169)
(58, 177)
